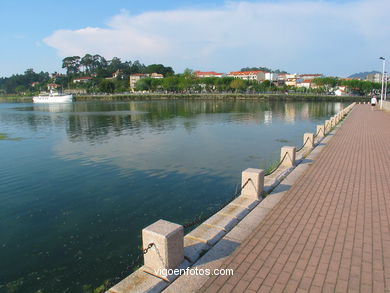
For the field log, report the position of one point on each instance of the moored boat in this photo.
(53, 97)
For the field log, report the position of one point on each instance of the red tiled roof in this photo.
(246, 72)
(207, 73)
(138, 74)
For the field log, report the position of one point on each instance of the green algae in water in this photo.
(14, 286)
(4, 136)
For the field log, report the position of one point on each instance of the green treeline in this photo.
(112, 76)
(189, 83)
(22, 83)
(356, 86)
(94, 66)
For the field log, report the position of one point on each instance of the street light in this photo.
(383, 77)
(385, 98)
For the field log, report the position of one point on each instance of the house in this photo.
(201, 74)
(52, 86)
(271, 76)
(82, 79)
(306, 83)
(282, 76)
(291, 79)
(116, 74)
(257, 75)
(341, 91)
(133, 78)
(374, 77)
(156, 75)
(35, 83)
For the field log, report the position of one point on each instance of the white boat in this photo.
(53, 97)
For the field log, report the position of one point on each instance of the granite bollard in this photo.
(166, 246)
(287, 154)
(320, 131)
(254, 188)
(308, 141)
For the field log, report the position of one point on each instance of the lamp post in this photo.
(383, 77)
(385, 94)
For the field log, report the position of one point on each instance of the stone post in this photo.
(254, 188)
(320, 131)
(167, 251)
(289, 160)
(308, 140)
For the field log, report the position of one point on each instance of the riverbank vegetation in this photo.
(93, 74)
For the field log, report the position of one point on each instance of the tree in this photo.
(188, 73)
(87, 61)
(170, 83)
(237, 84)
(115, 64)
(72, 64)
(20, 89)
(144, 84)
(326, 82)
(106, 86)
(159, 68)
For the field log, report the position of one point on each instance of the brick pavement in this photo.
(330, 232)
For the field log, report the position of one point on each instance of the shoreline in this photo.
(218, 96)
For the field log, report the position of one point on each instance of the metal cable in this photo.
(307, 139)
(273, 170)
(318, 132)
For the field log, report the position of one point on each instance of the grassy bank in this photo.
(15, 99)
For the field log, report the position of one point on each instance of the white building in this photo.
(374, 77)
(271, 76)
(82, 79)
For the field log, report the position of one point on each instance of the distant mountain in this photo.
(362, 75)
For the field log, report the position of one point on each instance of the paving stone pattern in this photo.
(330, 233)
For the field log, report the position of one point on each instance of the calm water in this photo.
(78, 182)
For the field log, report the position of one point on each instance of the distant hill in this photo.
(362, 75)
(263, 69)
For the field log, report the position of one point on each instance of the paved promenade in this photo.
(330, 232)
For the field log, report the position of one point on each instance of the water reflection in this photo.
(94, 121)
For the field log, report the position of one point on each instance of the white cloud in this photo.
(299, 36)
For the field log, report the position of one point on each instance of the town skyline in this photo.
(335, 38)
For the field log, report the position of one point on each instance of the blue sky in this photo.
(307, 36)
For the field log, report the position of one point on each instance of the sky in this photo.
(332, 37)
